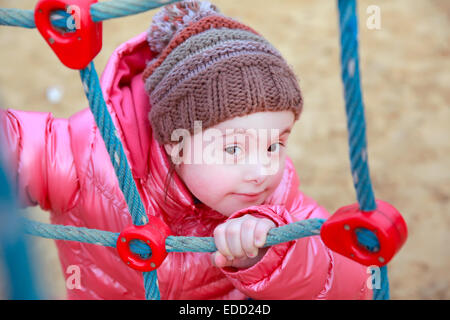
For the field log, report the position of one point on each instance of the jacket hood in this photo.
(125, 96)
(128, 103)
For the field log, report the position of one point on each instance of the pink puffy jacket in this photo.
(63, 165)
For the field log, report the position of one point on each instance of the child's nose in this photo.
(256, 174)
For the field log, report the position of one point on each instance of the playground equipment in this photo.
(370, 232)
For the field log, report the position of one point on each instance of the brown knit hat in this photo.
(211, 68)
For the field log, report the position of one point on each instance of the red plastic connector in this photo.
(154, 234)
(75, 49)
(338, 232)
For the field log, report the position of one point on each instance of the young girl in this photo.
(194, 68)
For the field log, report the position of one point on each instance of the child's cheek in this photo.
(209, 183)
(220, 180)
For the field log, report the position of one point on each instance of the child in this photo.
(195, 67)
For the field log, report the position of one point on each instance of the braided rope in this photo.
(289, 232)
(286, 233)
(113, 145)
(116, 9)
(356, 123)
(354, 106)
(17, 18)
(100, 11)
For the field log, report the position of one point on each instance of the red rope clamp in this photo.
(338, 232)
(75, 49)
(154, 234)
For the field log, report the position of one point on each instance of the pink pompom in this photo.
(172, 18)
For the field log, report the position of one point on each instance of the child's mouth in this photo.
(250, 196)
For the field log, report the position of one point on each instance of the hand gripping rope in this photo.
(370, 232)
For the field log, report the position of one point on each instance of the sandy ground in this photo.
(405, 67)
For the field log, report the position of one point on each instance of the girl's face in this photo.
(235, 164)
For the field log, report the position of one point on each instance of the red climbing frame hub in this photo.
(338, 232)
(154, 234)
(75, 49)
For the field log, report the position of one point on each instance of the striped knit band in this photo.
(199, 44)
(195, 64)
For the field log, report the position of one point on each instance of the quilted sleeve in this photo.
(37, 148)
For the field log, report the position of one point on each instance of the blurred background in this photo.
(405, 74)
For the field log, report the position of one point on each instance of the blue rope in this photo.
(113, 145)
(117, 9)
(286, 233)
(17, 18)
(382, 293)
(354, 104)
(100, 11)
(356, 124)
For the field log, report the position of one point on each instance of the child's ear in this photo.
(174, 152)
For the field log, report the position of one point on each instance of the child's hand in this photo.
(238, 241)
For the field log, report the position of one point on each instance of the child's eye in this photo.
(233, 150)
(276, 149)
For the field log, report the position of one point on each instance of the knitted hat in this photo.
(212, 68)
